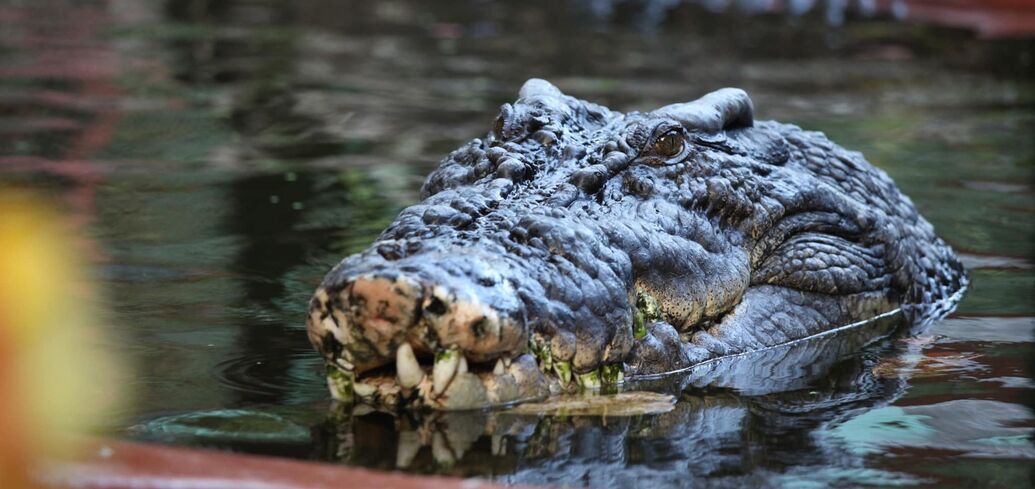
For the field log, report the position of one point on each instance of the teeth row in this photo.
(451, 362)
(448, 363)
(605, 375)
(446, 447)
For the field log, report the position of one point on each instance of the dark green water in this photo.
(220, 156)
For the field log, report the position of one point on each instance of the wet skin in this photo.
(576, 247)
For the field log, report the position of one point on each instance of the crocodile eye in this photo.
(669, 144)
(499, 126)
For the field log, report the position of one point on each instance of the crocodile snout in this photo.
(380, 309)
(427, 334)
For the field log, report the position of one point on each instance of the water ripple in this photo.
(293, 377)
(241, 425)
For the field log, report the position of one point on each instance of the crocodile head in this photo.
(575, 247)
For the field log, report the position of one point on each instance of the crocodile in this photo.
(577, 248)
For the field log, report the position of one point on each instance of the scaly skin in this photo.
(576, 247)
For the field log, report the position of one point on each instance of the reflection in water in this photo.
(221, 155)
(217, 58)
(715, 435)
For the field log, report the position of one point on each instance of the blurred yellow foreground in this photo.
(55, 381)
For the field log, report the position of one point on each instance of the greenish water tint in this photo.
(220, 156)
(222, 426)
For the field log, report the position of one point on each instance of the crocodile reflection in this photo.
(722, 427)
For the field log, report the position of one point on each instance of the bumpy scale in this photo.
(575, 247)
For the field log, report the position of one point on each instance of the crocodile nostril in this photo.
(480, 327)
(436, 306)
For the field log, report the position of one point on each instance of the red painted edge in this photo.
(111, 464)
(989, 18)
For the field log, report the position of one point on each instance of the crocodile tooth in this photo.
(447, 363)
(463, 364)
(409, 446)
(499, 368)
(440, 450)
(498, 445)
(611, 374)
(345, 364)
(589, 380)
(364, 390)
(330, 325)
(459, 442)
(341, 383)
(563, 370)
(406, 367)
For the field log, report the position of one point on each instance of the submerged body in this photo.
(576, 247)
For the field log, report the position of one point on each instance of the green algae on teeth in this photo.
(341, 383)
(540, 348)
(563, 371)
(612, 374)
(589, 380)
(606, 375)
(639, 325)
(645, 311)
(447, 363)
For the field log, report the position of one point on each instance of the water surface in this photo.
(219, 156)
